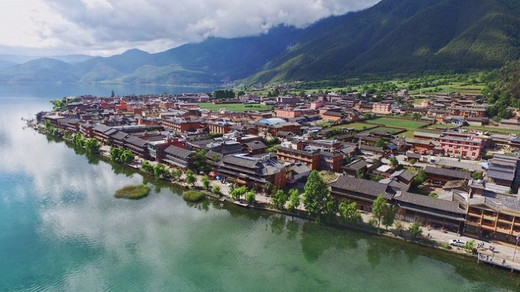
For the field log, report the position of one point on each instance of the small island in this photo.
(193, 196)
(133, 192)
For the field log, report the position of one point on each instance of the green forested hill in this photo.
(404, 36)
(392, 37)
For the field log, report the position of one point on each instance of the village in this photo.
(438, 159)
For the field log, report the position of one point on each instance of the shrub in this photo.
(192, 196)
(133, 192)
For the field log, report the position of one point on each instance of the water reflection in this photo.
(72, 234)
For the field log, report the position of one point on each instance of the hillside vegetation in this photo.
(392, 38)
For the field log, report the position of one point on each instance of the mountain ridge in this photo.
(391, 37)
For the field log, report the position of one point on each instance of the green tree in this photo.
(215, 189)
(331, 208)
(316, 194)
(190, 178)
(126, 156)
(394, 162)
(476, 175)
(147, 167)
(200, 162)
(205, 182)
(92, 146)
(418, 179)
(250, 197)
(237, 193)
(294, 199)
(389, 215)
(378, 208)
(176, 173)
(381, 143)
(279, 199)
(77, 140)
(349, 212)
(360, 174)
(159, 170)
(415, 229)
(115, 153)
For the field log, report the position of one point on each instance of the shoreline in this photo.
(363, 227)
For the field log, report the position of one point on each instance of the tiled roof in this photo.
(363, 186)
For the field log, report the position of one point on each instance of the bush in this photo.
(133, 192)
(192, 196)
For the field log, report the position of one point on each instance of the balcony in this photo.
(489, 217)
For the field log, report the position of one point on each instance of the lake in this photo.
(62, 229)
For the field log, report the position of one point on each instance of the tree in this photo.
(159, 170)
(331, 208)
(394, 162)
(126, 156)
(378, 208)
(92, 146)
(205, 182)
(388, 215)
(147, 166)
(294, 199)
(279, 199)
(316, 194)
(416, 116)
(115, 153)
(476, 175)
(418, 179)
(176, 174)
(360, 174)
(381, 143)
(415, 229)
(347, 159)
(190, 177)
(238, 192)
(200, 161)
(250, 197)
(268, 187)
(349, 212)
(215, 189)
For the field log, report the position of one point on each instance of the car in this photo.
(458, 242)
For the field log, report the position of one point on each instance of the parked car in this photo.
(458, 242)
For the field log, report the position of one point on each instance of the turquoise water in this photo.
(61, 229)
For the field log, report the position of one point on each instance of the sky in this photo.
(108, 27)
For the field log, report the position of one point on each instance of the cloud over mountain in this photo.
(109, 26)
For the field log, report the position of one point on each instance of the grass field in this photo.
(355, 126)
(384, 129)
(493, 129)
(235, 107)
(399, 123)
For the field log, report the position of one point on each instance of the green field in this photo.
(235, 107)
(398, 123)
(493, 129)
(355, 126)
(384, 129)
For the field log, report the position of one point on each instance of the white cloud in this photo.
(110, 26)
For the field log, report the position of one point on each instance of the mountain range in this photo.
(392, 37)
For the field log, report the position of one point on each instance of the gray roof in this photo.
(118, 135)
(178, 151)
(404, 174)
(135, 141)
(255, 145)
(357, 164)
(447, 172)
(429, 202)
(363, 186)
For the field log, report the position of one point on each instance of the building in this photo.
(382, 108)
(251, 171)
(440, 176)
(503, 170)
(221, 127)
(288, 113)
(410, 207)
(181, 125)
(178, 157)
(496, 217)
(461, 145)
